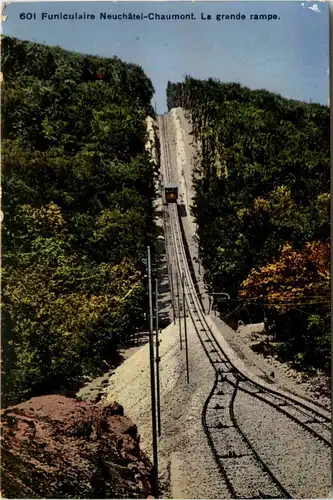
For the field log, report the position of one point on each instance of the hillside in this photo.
(78, 191)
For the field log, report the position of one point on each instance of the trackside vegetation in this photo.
(77, 192)
(262, 206)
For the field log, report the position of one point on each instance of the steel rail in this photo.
(183, 268)
(191, 295)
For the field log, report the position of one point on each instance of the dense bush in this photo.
(78, 190)
(262, 181)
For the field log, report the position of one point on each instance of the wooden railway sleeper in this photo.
(233, 454)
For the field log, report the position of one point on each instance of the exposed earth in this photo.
(57, 447)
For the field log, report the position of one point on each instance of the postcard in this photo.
(165, 250)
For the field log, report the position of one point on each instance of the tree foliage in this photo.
(78, 191)
(294, 276)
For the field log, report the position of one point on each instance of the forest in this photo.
(262, 202)
(78, 192)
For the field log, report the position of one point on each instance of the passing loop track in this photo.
(218, 424)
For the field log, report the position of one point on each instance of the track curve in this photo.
(313, 420)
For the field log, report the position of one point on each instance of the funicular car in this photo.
(170, 192)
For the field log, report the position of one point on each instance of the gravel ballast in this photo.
(301, 462)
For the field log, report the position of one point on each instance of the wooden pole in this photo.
(185, 329)
(179, 318)
(152, 381)
(157, 362)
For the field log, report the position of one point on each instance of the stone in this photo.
(58, 447)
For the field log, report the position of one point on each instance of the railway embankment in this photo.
(186, 465)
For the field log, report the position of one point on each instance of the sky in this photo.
(288, 55)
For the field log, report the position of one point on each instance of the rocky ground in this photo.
(57, 447)
(314, 386)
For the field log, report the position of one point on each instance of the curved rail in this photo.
(224, 366)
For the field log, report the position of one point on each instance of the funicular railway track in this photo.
(232, 449)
